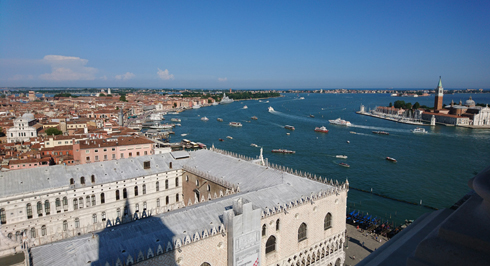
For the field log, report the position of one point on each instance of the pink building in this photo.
(96, 150)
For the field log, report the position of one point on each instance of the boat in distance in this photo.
(344, 165)
(245, 107)
(162, 126)
(289, 127)
(235, 124)
(204, 118)
(229, 137)
(381, 132)
(321, 129)
(419, 130)
(254, 145)
(312, 116)
(220, 119)
(391, 159)
(341, 156)
(271, 109)
(254, 118)
(176, 120)
(283, 151)
(340, 122)
(226, 100)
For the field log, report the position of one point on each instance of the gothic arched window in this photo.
(302, 230)
(270, 245)
(327, 223)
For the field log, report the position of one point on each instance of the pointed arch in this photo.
(270, 245)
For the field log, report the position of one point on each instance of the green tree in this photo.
(416, 105)
(123, 98)
(399, 104)
(53, 131)
(390, 105)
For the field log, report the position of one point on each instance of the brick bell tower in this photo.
(439, 95)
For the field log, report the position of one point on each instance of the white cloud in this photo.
(163, 74)
(222, 79)
(126, 76)
(68, 68)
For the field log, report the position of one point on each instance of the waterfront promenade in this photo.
(359, 245)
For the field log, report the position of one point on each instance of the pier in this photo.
(396, 119)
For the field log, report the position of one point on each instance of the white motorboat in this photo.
(419, 130)
(229, 137)
(197, 106)
(245, 107)
(235, 124)
(340, 122)
(271, 109)
(341, 156)
(204, 118)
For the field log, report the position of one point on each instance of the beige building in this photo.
(133, 211)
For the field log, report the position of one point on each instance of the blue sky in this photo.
(245, 44)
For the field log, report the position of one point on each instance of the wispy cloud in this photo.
(21, 77)
(68, 68)
(163, 74)
(222, 79)
(126, 76)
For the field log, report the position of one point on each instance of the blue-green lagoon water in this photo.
(433, 168)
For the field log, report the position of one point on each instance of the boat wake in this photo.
(381, 128)
(302, 118)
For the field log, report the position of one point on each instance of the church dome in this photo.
(28, 116)
(470, 102)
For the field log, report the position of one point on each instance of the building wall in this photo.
(207, 188)
(482, 118)
(88, 155)
(156, 201)
(289, 251)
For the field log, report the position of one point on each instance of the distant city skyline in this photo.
(245, 45)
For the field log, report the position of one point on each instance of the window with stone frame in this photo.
(302, 232)
(270, 245)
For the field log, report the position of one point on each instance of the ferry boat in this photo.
(226, 100)
(204, 118)
(391, 159)
(176, 120)
(164, 126)
(254, 118)
(271, 109)
(235, 124)
(321, 129)
(340, 122)
(419, 130)
(283, 151)
(289, 127)
(341, 156)
(381, 132)
(220, 119)
(344, 165)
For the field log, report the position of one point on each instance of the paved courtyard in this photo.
(360, 245)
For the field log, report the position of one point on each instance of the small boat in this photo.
(220, 119)
(214, 103)
(321, 129)
(419, 130)
(245, 107)
(175, 120)
(289, 127)
(197, 106)
(353, 132)
(301, 98)
(391, 159)
(348, 141)
(229, 137)
(204, 118)
(341, 156)
(221, 139)
(340, 122)
(312, 116)
(288, 133)
(235, 124)
(344, 165)
(254, 118)
(381, 132)
(283, 151)
(271, 109)
(254, 145)
(183, 135)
